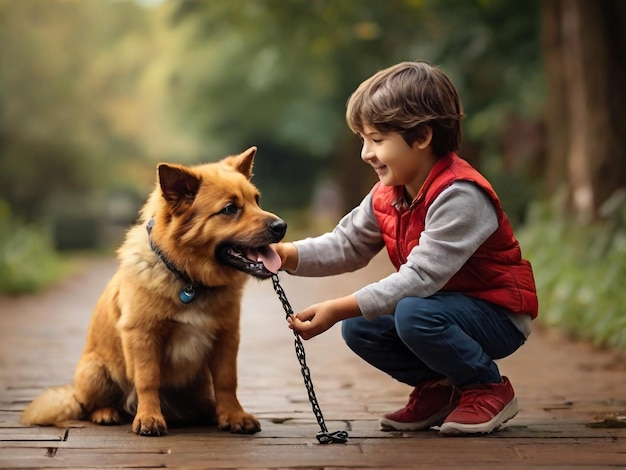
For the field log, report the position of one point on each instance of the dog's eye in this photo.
(230, 209)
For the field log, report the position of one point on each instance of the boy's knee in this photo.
(406, 304)
(412, 316)
(359, 332)
(409, 309)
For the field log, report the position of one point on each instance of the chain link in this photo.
(323, 437)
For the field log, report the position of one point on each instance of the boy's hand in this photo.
(288, 255)
(320, 317)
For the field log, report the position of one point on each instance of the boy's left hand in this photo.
(320, 317)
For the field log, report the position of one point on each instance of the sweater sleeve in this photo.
(458, 221)
(350, 246)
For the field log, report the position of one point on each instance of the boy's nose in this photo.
(366, 153)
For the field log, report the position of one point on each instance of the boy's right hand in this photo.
(320, 317)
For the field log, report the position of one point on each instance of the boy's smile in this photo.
(395, 162)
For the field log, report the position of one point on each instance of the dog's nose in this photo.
(278, 227)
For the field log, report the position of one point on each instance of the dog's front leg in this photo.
(223, 364)
(141, 350)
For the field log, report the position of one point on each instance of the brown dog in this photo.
(164, 336)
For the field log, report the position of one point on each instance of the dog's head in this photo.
(209, 223)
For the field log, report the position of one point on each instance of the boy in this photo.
(462, 295)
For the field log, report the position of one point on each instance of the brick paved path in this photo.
(564, 389)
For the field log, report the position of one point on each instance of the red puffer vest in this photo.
(496, 272)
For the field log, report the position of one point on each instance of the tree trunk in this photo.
(584, 49)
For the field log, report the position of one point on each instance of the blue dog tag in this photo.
(187, 294)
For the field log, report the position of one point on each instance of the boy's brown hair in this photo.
(406, 98)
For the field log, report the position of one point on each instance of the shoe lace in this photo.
(479, 397)
(417, 393)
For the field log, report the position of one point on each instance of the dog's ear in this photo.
(243, 162)
(178, 184)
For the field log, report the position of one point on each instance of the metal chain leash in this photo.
(323, 437)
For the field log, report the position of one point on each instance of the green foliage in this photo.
(516, 193)
(281, 71)
(28, 261)
(580, 271)
(79, 99)
(81, 95)
(283, 68)
(96, 85)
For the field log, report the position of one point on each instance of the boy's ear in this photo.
(426, 139)
(243, 162)
(178, 184)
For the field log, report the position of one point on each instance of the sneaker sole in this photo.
(387, 424)
(509, 412)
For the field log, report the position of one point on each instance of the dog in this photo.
(164, 336)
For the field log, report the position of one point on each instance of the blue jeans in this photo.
(445, 335)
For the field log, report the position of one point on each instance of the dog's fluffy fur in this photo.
(148, 354)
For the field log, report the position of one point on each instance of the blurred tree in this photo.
(80, 106)
(282, 71)
(93, 80)
(40, 114)
(585, 55)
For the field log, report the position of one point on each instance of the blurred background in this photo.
(94, 93)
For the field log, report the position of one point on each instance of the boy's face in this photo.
(395, 162)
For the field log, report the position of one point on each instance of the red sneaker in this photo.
(482, 409)
(429, 404)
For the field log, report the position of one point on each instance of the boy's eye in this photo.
(376, 140)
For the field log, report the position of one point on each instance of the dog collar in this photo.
(188, 292)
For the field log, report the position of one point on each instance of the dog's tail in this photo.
(53, 407)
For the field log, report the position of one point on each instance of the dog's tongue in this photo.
(266, 255)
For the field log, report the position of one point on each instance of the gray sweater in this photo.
(458, 221)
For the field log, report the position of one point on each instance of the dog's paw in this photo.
(105, 416)
(149, 425)
(239, 422)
